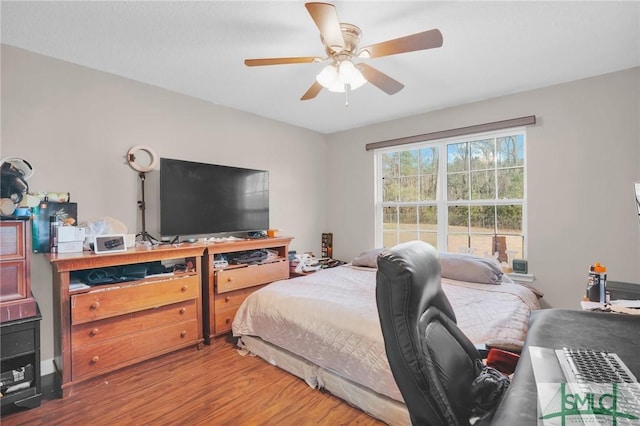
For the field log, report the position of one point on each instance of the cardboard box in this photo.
(70, 246)
(42, 214)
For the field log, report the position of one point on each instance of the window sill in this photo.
(522, 278)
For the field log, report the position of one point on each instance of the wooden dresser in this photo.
(16, 300)
(226, 288)
(110, 326)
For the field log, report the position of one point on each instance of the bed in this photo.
(324, 328)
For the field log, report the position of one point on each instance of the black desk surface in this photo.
(555, 328)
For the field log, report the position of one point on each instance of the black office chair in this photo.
(437, 368)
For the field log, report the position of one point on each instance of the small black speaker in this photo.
(520, 266)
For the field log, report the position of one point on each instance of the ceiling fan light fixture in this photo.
(335, 77)
(350, 75)
(328, 77)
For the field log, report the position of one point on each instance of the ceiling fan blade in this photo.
(380, 79)
(312, 92)
(419, 41)
(326, 19)
(279, 61)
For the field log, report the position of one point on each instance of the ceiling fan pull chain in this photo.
(347, 89)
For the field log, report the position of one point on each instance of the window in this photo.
(460, 195)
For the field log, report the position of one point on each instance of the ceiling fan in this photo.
(341, 44)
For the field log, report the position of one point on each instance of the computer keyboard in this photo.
(592, 371)
(584, 387)
(591, 366)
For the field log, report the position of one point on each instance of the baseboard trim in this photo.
(47, 367)
(50, 387)
(521, 278)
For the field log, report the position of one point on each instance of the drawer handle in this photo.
(227, 299)
(183, 289)
(93, 331)
(227, 321)
(229, 279)
(182, 311)
(94, 305)
(95, 359)
(183, 333)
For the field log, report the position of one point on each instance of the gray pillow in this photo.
(368, 259)
(466, 267)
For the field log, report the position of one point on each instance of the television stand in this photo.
(105, 328)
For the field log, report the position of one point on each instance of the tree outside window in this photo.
(465, 195)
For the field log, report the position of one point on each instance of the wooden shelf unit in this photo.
(16, 300)
(111, 326)
(226, 288)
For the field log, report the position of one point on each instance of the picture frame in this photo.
(112, 243)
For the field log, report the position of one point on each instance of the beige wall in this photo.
(75, 125)
(583, 156)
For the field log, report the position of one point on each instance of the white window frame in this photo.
(441, 198)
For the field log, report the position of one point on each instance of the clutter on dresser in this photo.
(102, 226)
(69, 239)
(110, 243)
(47, 217)
(251, 257)
(14, 173)
(87, 278)
(220, 261)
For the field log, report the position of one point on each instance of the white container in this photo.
(70, 247)
(70, 233)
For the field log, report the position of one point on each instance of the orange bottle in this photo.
(597, 283)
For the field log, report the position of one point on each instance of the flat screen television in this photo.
(202, 199)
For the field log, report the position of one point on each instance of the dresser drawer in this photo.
(114, 301)
(233, 298)
(93, 332)
(224, 318)
(236, 278)
(91, 360)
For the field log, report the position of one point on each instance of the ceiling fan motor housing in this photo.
(341, 41)
(351, 35)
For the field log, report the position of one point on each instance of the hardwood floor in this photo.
(213, 386)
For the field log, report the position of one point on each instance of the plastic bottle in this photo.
(597, 283)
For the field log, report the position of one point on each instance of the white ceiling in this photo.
(197, 48)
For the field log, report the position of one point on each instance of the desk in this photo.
(555, 328)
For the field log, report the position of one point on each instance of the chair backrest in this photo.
(432, 361)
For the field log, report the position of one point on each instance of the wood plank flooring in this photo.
(213, 386)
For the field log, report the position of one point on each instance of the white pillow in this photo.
(466, 267)
(368, 259)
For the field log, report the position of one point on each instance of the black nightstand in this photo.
(20, 352)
